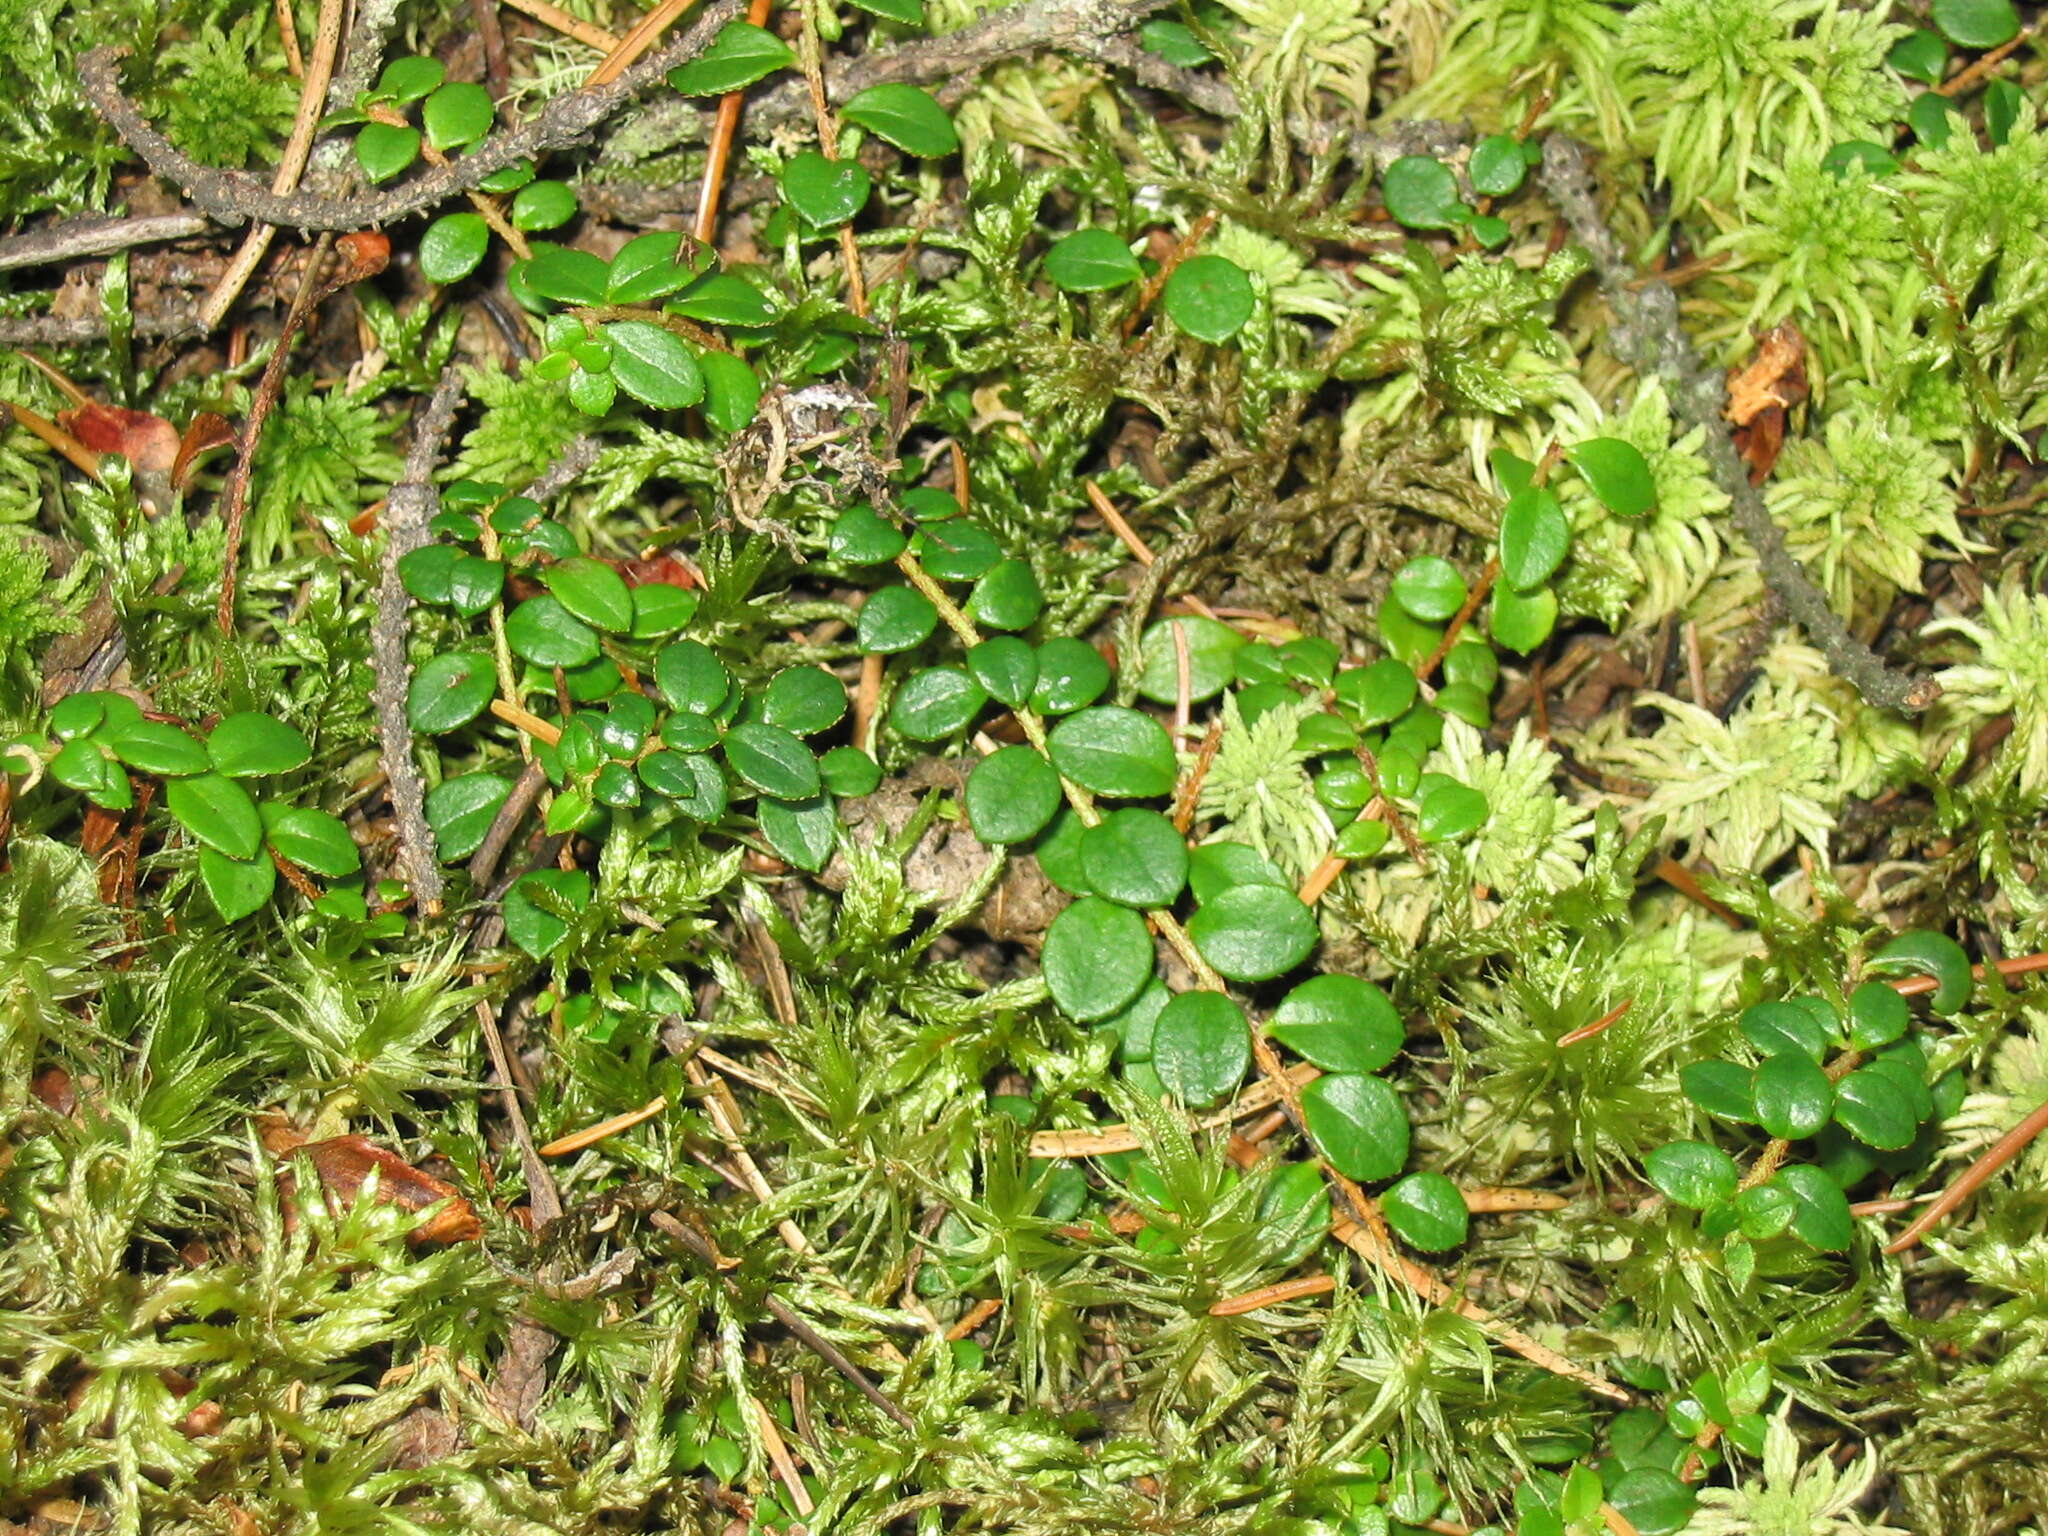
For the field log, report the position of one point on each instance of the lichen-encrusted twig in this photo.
(234, 198)
(1649, 336)
(406, 516)
(96, 236)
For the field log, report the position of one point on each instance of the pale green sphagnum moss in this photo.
(1791, 1498)
(2008, 676)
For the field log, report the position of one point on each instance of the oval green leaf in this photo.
(1254, 932)
(1097, 958)
(1428, 1212)
(1340, 1023)
(1200, 1047)
(1135, 857)
(1011, 795)
(1109, 750)
(1359, 1124)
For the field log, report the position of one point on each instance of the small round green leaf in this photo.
(1429, 588)
(1977, 23)
(243, 745)
(732, 391)
(1135, 857)
(691, 779)
(1721, 1088)
(690, 676)
(1875, 1110)
(1376, 694)
(317, 841)
(1212, 649)
(1534, 538)
(1359, 1124)
(1821, 1219)
(1254, 932)
(1011, 795)
(723, 298)
(1209, 297)
(803, 700)
(1794, 1097)
(461, 810)
(772, 760)
(1877, 1016)
(862, 536)
(543, 205)
(1109, 750)
(825, 192)
(741, 54)
(1618, 474)
(661, 608)
(1762, 1212)
(1200, 1047)
(1098, 956)
(653, 366)
(453, 246)
(1922, 952)
(1776, 1028)
(906, 117)
(457, 114)
(218, 811)
(1091, 260)
(1497, 166)
(896, 619)
(1340, 1023)
(84, 766)
(1008, 596)
(1449, 811)
(1007, 667)
(1472, 664)
(546, 633)
(1693, 1173)
(1215, 867)
(155, 746)
(566, 275)
(385, 149)
(1920, 55)
(1421, 193)
(1428, 1212)
(1652, 1500)
(1521, 621)
(936, 702)
(407, 79)
(651, 267)
(528, 921)
(802, 833)
(1071, 676)
(237, 886)
(959, 549)
(850, 773)
(593, 592)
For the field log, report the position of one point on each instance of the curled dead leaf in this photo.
(345, 1164)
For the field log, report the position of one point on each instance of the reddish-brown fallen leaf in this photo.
(209, 430)
(344, 1163)
(666, 569)
(54, 1089)
(144, 440)
(1760, 393)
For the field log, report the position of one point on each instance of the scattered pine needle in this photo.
(590, 1136)
(1588, 1031)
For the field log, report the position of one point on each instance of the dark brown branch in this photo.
(75, 238)
(168, 324)
(407, 513)
(234, 198)
(1073, 26)
(1649, 336)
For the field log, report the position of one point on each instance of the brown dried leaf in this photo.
(144, 440)
(345, 1162)
(1761, 392)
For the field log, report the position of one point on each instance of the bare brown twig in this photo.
(1648, 335)
(234, 198)
(411, 508)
